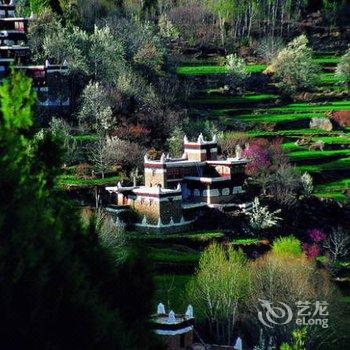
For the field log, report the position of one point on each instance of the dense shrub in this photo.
(260, 217)
(83, 170)
(237, 70)
(293, 66)
(228, 143)
(287, 246)
(343, 69)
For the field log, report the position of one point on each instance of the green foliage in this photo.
(269, 47)
(293, 67)
(175, 142)
(120, 54)
(220, 288)
(298, 342)
(214, 69)
(343, 68)
(39, 5)
(17, 101)
(171, 290)
(95, 112)
(176, 254)
(287, 247)
(237, 67)
(167, 29)
(59, 286)
(67, 180)
(61, 130)
(198, 236)
(245, 241)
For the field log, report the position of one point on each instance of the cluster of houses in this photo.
(176, 190)
(50, 81)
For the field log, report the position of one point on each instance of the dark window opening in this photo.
(182, 340)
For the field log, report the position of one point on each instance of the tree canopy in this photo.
(59, 286)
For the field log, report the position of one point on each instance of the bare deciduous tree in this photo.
(103, 154)
(337, 243)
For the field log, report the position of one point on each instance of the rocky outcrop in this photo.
(341, 118)
(321, 123)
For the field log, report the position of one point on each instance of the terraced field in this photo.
(268, 116)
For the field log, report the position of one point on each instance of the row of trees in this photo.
(122, 90)
(189, 20)
(228, 288)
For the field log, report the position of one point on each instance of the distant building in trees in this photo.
(176, 190)
(49, 81)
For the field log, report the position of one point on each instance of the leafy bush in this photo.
(175, 142)
(261, 218)
(95, 111)
(287, 246)
(237, 69)
(83, 170)
(294, 68)
(343, 68)
(167, 28)
(307, 184)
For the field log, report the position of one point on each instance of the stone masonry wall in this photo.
(147, 207)
(155, 177)
(171, 209)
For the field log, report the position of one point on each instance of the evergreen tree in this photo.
(59, 287)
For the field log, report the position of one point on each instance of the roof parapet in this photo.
(200, 140)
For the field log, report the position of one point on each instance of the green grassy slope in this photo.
(263, 107)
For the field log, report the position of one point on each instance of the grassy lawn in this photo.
(86, 137)
(309, 107)
(245, 241)
(332, 195)
(334, 140)
(342, 163)
(291, 132)
(171, 291)
(345, 299)
(71, 180)
(214, 69)
(278, 118)
(226, 110)
(327, 60)
(235, 99)
(328, 78)
(174, 254)
(290, 109)
(333, 189)
(306, 154)
(198, 236)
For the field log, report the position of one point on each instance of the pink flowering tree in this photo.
(259, 164)
(312, 250)
(259, 159)
(316, 237)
